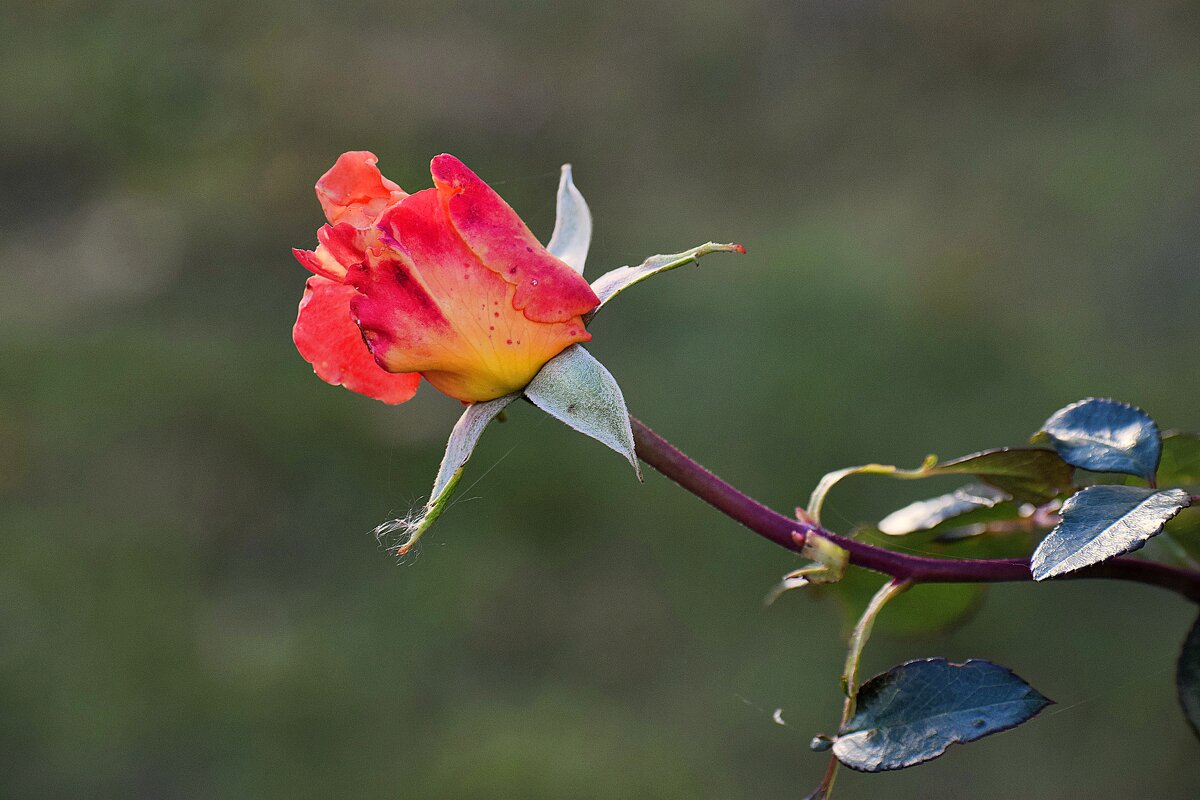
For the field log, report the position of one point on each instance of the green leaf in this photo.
(463, 438)
(924, 609)
(572, 225)
(1187, 677)
(1185, 531)
(817, 499)
(1102, 522)
(1180, 462)
(610, 284)
(933, 608)
(576, 389)
(925, 515)
(912, 713)
(1104, 435)
(1029, 474)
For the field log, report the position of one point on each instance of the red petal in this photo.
(355, 191)
(344, 242)
(547, 289)
(342, 246)
(327, 338)
(318, 263)
(401, 322)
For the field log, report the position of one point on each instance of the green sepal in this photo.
(575, 388)
(463, 439)
(610, 284)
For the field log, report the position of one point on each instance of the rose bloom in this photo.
(447, 283)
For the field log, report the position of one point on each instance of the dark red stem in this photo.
(791, 534)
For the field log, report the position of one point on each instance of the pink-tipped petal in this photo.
(327, 338)
(548, 290)
(354, 190)
(401, 323)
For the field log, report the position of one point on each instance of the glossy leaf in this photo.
(1180, 462)
(1013, 538)
(1105, 436)
(969, 526)
(463, 439)
(576, 389)
(572, 225)
(612, 283)
(925, 515)
(912, 713)
(1102, 522)
(1187, 677)
(1029, 474)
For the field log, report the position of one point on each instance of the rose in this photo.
(447, 283)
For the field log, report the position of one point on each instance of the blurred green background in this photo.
(960, 217)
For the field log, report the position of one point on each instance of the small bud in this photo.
(820, 744)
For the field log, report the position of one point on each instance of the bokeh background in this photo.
(960, 217)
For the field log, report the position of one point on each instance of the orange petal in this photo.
(354, 190)
(327, 338)
(429, 305)
(548, 290)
